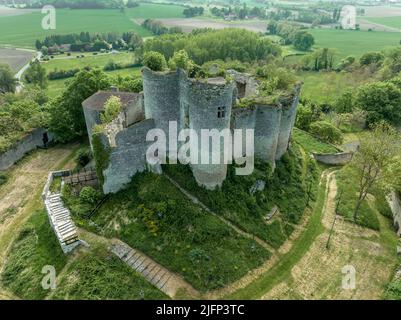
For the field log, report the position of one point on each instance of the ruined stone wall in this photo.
(339, 158)
(128, 157)
(289, 112)
(28, 143)
(92, 117)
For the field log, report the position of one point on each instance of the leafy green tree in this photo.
(154, 61)
(304, 117)
(303, 40)
(346, 102)
(371, 57)
(377, 161)
(7, 81)
(36, 74)
(382, 101)
(66, 114)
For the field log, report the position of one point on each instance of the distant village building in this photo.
(348, 17)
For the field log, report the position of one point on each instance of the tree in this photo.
(272, 27)
(36, 74)
(7, 81)
(154, 61)
(382, 101)
(345, 103)
(303, 40)
(371, 57)
(377, 161)
(66, 114)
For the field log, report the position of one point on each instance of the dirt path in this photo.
(318, 275)
(20, 196)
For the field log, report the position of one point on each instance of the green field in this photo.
(394, 22)
(350, 42)
(326, 87)
(89, 60)
(23, 30)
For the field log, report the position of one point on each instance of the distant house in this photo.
(348, 17)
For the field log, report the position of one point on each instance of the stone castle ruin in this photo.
(193, 103)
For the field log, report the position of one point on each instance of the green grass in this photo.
(311, 144)
(153, 216)
(55, 186)
(35, 247)
(326, 87)
(99, 275)
(89, 60)
(394, 22)
(56, 87)
(347, 183)
(282, 270)
(23, 30)
(351, 42)
(286, 188)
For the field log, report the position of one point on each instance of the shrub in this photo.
(180, 59)
(111, 109)
(83, 157)
(326, 131)
(89, 195)
(154, 61)
(3, 178)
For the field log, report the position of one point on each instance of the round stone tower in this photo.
(210, 104)
(161, 97)
(267, 129)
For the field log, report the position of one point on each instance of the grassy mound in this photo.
(347, 184)
(152, 215)
(287, 188)
(311, 144)
(35, 247)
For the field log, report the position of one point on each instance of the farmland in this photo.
(15, 58)
(354, 42)
(22, 30)
(394, 22)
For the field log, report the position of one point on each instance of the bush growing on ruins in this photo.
(112, 108)
(326, 131)
(89, 195)
(181, 60)
(154, 61)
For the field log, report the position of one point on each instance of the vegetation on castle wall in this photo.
(153, 216)
(101, 154)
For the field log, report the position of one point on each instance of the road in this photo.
(19, 74)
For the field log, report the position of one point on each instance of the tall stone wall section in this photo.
(30, 142)
(128, 157)
(289, 112)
